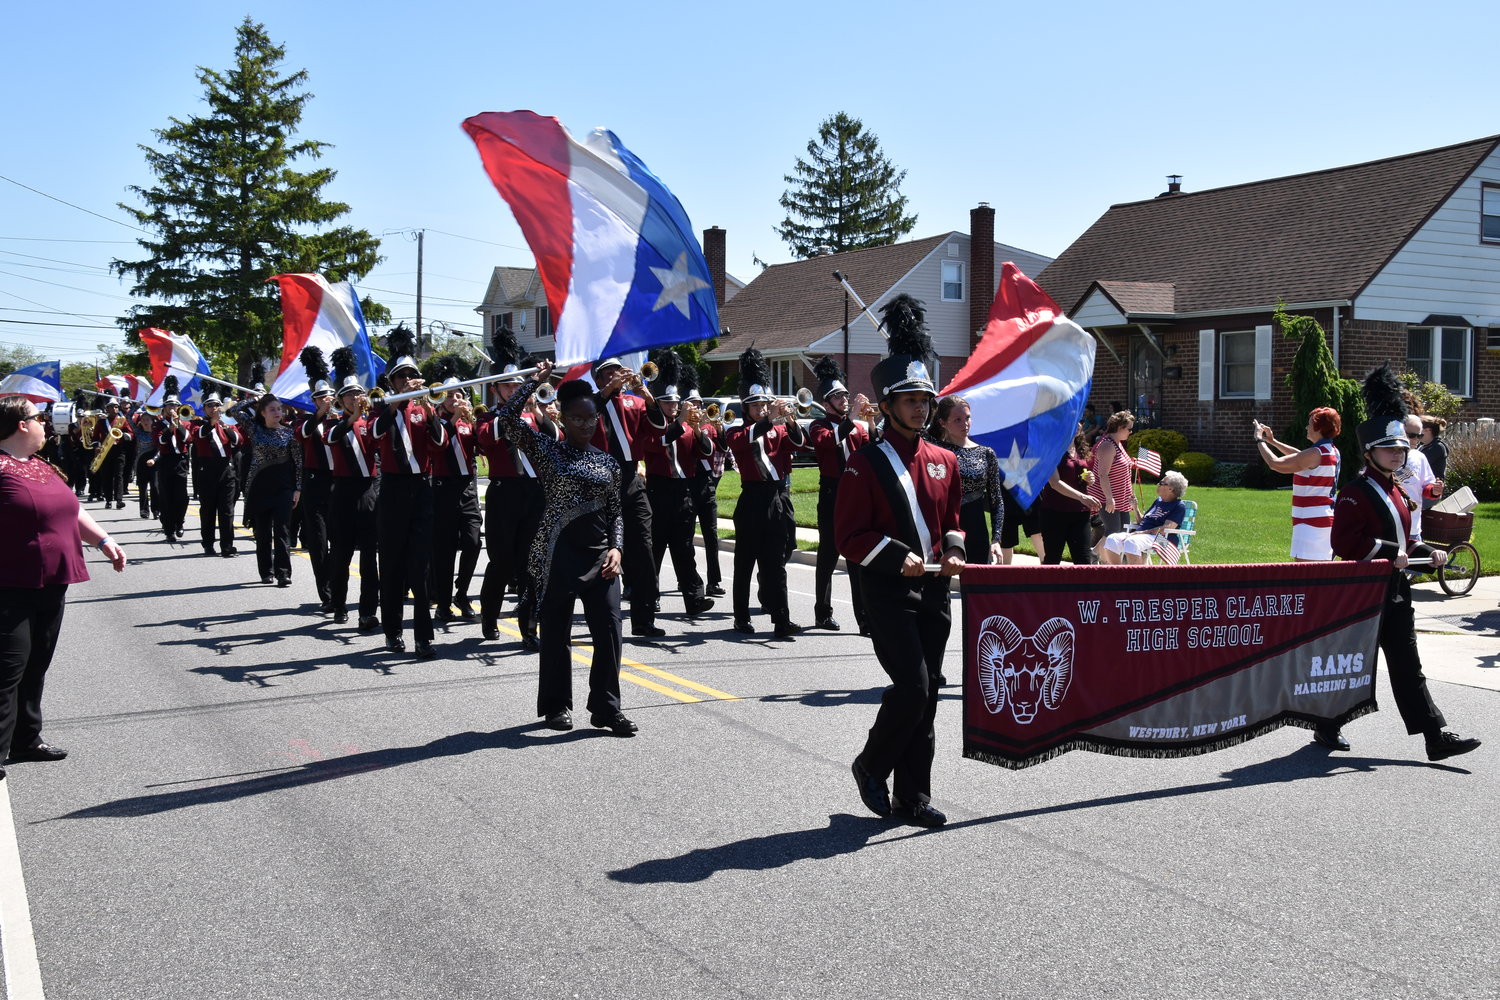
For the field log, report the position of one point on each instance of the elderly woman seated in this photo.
(1165, 514)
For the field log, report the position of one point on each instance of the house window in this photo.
(544, 322)
(1237, 364)
(953, 281)
(1489, 213)
(1442, 354)
(781, 378)
(501, 321)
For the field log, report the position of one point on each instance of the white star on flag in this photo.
(677, 284)
(1014, 465)
(193, 397)
(47, 371)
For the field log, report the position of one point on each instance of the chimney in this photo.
(1174, 186)
(981, 268)
(713, 255)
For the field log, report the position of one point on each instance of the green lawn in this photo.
(1234, 525)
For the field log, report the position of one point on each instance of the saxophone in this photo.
(115, 434)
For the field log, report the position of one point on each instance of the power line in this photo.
(62, 312)
(71, 288)
(57, 239)
(54, 260)
(71, 205)
(39, 322)
(475, 239)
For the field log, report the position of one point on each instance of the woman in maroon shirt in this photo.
(42, 531)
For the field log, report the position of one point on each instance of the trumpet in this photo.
(376, 394)
(544, 394)
(185, 412)
(648, 373)
(869, 412)
(804, 399)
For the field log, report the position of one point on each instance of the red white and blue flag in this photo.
(126, 386)
(317, 313)
(1148, 461)
(616, 253)
(1026, 383)
(40, 383)
(164, 347)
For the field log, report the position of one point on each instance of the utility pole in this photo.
(420, 234)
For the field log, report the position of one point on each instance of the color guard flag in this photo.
(1148, 461)
(616, 253)
(127, 386)
(40, 383)
(318, 314)
(1026, 383)
(163, 347)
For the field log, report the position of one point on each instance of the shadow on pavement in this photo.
(856, 696)
(515, 738)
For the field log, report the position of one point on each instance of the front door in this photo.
(1145, 383)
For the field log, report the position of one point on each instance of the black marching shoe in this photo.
(38, 752)
(283, 581)
(1330, 737)
(267, 578)
(425, 650)
(463, 610)
(396, 645)
(443, 615)
(341, 617)
(369, 623)
(560, 720)
(743, 625)
(714, 590)
(615, 722)
(699, 605)
(787, 629)
(326, 607)
(827, 622)
(489, 628)
(529, 642)
(1441, 746)
(208, 550)
(230, 553)
(647, 631)
(920, 813)
(872, 791)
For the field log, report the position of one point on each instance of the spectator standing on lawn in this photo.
(1315, 481)
(1110, 468)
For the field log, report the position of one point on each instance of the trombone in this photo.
(435, 395)
(212, 378)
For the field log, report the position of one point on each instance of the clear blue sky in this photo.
(1050, 112)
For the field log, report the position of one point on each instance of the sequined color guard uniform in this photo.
(897, 497)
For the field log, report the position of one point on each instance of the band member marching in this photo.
(897, 512)
(764, 526)
(706, 483)
(407, 433)
(215, 444)
(145, 482)
(317, 470)
(112, 436)
(456, 524)
(512, 501)
(352, 499)
(173, 453)
(1372, 519)
(672, 448)
(834, 438)
(622, 422)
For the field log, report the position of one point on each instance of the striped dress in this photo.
(1119, 475)
(1312, 505)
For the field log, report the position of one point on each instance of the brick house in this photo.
(1398, 259)
(795, 312)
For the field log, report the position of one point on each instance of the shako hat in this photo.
(402, 347)
(345, 371)
(755, 377)
(667, 387)
(907, 369)
(1385, 412)
(830, 377)
(316, 368)
(506, 356)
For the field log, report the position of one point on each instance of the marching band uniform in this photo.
(621, 426)
(271, 488)
(833, 442)
(671, 450)
(1372, 520)
(896, 498)
(455, 517)
(705, 488)
(407, 434)
(352, 504)
(173, 448)
(317, 491)
(764, 525)
(214, 446)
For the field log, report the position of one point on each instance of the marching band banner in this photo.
(1163, 661)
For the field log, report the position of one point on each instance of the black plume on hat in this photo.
(754, 371)
(344, 364)
(258, 374)
(1385, 409)
(830, 376)
(906, 326)
(169, 386)
(505, 350)
(78, 397)
(669, 371)
(314, 364)
(687, 382)
(401, 342)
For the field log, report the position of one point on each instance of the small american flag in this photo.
(1149, 461)
(1169, 552)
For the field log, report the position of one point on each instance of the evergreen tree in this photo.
(229, 210)
(845, 195)
(1315, 382)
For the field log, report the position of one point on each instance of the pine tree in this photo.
(228, 211)
(845, 195)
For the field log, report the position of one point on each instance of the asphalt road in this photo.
(261, 804)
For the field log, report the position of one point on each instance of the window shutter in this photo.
(1262, 362)
(1205, 365)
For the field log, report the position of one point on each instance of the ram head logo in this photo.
(1024, 672)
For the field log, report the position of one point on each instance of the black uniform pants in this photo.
(706, 507)
(351, 527)
(172, 493)
(637, 561)
(1070, 528)
(909, 621)
(145, 484)
(512, 512)
(269, 518)
(601, 611)
(828, 559)
(112, 474)
(405, 531)
(456, 526)
(216, 491)
(30, 621)
(673, 519)
(764, 534)
(1398, 641)
(317, 490)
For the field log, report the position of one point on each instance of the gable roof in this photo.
(788, 306)
(510, 284)
(1315, 237)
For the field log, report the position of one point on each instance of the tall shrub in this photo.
(1315, 382)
